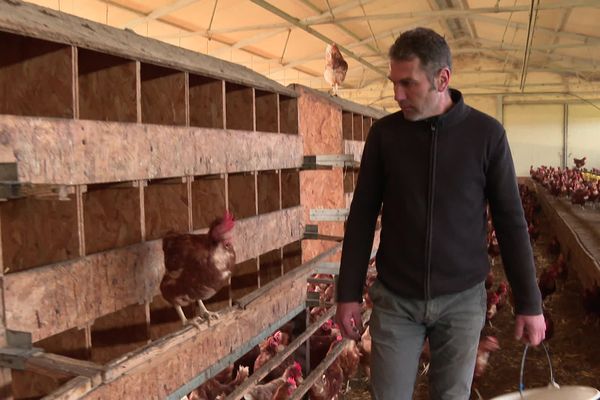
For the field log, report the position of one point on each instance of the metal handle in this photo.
(521, 385)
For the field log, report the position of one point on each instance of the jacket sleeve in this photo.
(360, 226)
(511, 229)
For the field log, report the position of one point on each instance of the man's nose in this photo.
(399, 93)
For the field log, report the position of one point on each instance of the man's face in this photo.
(416, 95)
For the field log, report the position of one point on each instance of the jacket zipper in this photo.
(432, 163)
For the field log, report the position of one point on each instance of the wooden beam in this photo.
(90, 287)
(61, 151)
(74, 389)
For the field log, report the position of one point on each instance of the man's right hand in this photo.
(349, 319)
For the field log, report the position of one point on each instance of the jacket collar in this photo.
(455, 114)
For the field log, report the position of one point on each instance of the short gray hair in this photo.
(426, 45)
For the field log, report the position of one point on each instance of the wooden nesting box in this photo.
(334, 131)
(109, 140)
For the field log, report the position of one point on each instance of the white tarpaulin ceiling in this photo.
(549, 48)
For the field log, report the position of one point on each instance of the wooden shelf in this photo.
(208, 200)
(268, 191)
(56, 151)
(163, 95)
(267, 115)
(288, 114)
(207, 102)
(242, 194)
(107, 87)
(239, 106)
(347, 125)
(90, 287)
(36, 77)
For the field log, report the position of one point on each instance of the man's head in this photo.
(420, 68)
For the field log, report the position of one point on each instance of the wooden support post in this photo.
(138, 90)
(189, 180)
(186, 78)
(141, 187)
(75, 82)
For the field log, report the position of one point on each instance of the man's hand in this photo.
(530, 329)
(349, 319)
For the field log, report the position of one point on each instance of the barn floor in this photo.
(574, 349)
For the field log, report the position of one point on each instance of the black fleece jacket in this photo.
(434, 178)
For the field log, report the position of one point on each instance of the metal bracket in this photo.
(312, 233)
(329, 214)
(329, 161)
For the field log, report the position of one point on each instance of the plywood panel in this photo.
(268, 191)
(266, 111)
(292, 256)
(163, 95)
(37, 232)
(535, 134)
(111, 217)
(165, 207)
(347, 126)
(36, 77)
(164, 319)
(583, 138)
(486, 104)
(239, 105)
(288, 114)
(320, 124)
(242, 201)
(102, 283)
(357, 130)
(107, 87)
(208, 200)
(119, 333)
(290, 188)
(245, 278)
(207, 102)
(70, 152)
(270, 265)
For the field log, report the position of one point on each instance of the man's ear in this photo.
(443, 79)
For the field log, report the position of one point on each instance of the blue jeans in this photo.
(399, 327)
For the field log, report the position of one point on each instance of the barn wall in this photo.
(583, 136)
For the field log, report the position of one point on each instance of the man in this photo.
(434, 166)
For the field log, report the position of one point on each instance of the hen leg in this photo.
(184, 320)
(205, 314)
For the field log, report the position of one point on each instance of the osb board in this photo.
(166, 209)
(118, 333)
(270, 265)
(31, 20)
(70, 343)
(578, 231)
(244, 279)
(164, 375)
(37, 232)
(321, 189)
(28, 385)
(107, 87)
(105, 282)
(207, 102)
(354, 147)
(82, 152)
(163, 95)
(242, 200)
(292, 256)
(268, 191)
(346, 105)
(266, 111)
(208, 200)
(288, 115)
(358, 127)
(36, 77)
(111, 218)
(320, 124)
(290, 188)
(239, 107)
